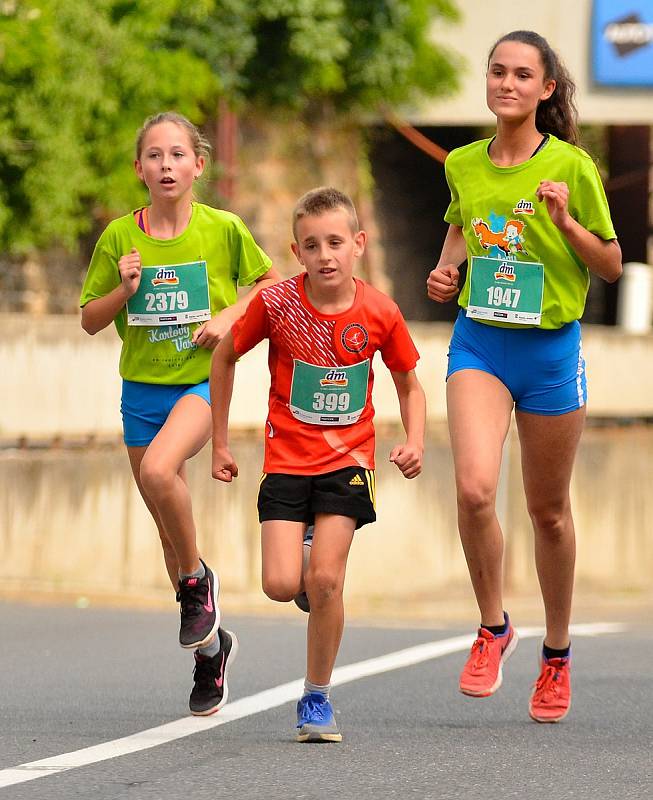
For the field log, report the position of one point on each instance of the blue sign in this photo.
(622, 42)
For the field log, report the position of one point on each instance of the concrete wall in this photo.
(71, 519)
(61, 382)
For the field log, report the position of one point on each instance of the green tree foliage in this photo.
(77, 78)
(351, 54)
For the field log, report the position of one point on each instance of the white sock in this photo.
(315, 687)
(212, 648)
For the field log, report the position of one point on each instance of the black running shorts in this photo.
(349, 492)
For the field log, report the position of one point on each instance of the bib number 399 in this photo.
(331, 401)
(328, 395)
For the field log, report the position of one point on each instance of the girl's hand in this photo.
(408, 458)
(210, 333)
(442, 283)
(130, 267)
(223, 467)
(556, 197)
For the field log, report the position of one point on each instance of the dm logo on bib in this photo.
(334, 377)
(505, 272)
(165, 277)
(354, 338)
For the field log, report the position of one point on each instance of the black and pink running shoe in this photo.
(200, 615)
(211, 691)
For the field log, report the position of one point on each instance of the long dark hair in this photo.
(558, 114)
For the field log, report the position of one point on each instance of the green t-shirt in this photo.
(500, 217)
(164, 354)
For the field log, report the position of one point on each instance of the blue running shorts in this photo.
(145, 407)
(544, 370)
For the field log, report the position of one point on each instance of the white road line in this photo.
(256, 703)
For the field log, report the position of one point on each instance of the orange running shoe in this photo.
(482, 674)
(551, 695)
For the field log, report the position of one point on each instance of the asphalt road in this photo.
(71, 679)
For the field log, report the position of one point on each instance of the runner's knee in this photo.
(475, 498)
(550, 520)
(280, 588)
(156, 476)
(322, 586)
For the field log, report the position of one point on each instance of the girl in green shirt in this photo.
(167, 276)
(529, 214)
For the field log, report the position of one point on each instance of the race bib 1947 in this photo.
(171, 295)
(506, 290)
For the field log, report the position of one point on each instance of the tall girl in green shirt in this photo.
(529, 215)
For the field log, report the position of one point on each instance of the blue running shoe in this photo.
(315, 720)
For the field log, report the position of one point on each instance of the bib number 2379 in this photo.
(171, 295)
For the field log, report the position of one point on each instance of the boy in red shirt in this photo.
(324, 327)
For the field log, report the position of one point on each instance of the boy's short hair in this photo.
(324, 198)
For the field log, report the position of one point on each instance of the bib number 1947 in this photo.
(506, 298)
(506, 290)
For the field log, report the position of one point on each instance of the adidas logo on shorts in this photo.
(356, 481)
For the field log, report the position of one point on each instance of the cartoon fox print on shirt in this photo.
(509, 240)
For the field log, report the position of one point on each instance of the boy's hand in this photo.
(129, 267)
(442, 283)
(408, 458)
(210, 333)
(223, 467)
